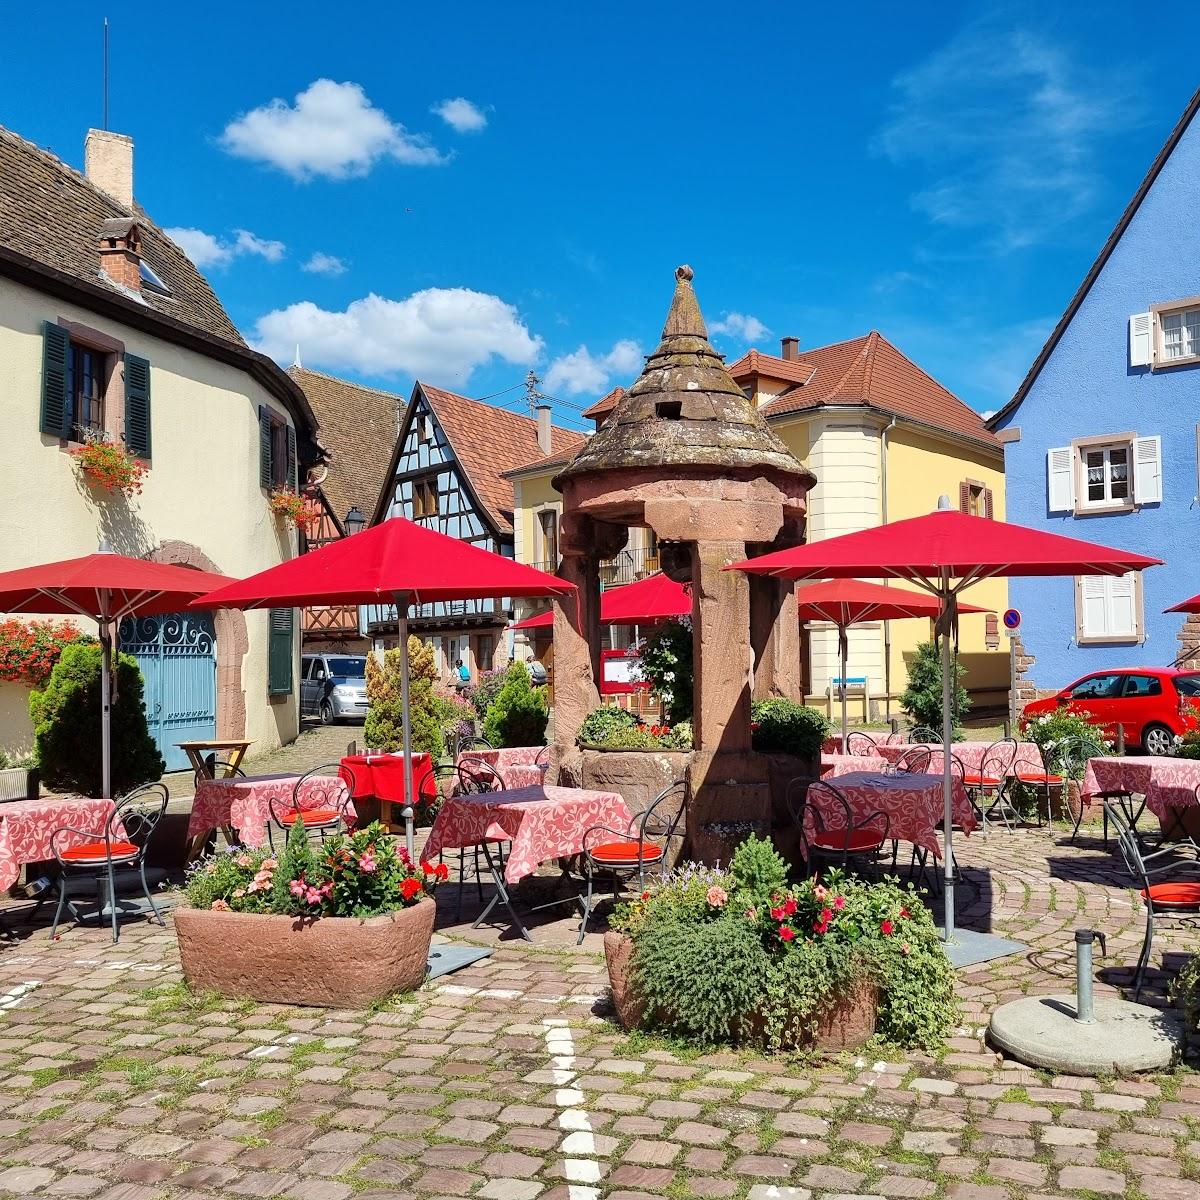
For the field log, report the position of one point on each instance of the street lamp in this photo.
(354, 521)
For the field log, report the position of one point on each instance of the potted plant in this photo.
(293, 508)
(342, 925)
(108, 465)
(612, 728)
(742, 956)
(19, 778)
(1066, 739)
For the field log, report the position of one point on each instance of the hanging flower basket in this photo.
(109, 466)
(293, 508)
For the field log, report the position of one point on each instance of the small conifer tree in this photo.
(518, 716)
(383, 729)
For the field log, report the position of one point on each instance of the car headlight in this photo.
(343, 692)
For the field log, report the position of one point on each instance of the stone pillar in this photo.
(721, 637)
(775, 639)
(1188, 658)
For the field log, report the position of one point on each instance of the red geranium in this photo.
(786, 933)
(886, 927)
(410, 887)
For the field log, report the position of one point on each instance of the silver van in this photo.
(333, 687)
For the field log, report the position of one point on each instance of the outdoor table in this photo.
(913, 804)
(970, 754)
(244, 804)
(382, 776)
(541, 823)
(834, 765)
(197, 751)
(833, 744)
(1167, 784)
(517, 766)
(26, 827)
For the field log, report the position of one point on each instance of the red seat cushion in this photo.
(626, 853)
(860, 840)
(981, 780)
(94, 852)
(312, 816)
(1038, 777)
(1174, 895)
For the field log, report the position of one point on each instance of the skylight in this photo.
(150, 278)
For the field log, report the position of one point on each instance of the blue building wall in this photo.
(1087, 388)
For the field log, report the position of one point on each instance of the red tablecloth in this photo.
(245, 804)
(833, 765)
(913, 804)
(1167, 783)
(26, 827)
(970, 754)
(382, 775)
(541, 822)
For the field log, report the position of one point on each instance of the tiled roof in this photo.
(358, 428)
(790, 369)
(488, 441)
(605, 404)
(870, 371)
(50, 213)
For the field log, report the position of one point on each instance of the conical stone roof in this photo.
(684, 410)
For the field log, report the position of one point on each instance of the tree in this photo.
(383, 729)
(518, 716)
(922, 699)
(66, 725)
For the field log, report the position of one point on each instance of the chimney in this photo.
(108, 163)
(121, 252)
(545, 440)
(791, 348)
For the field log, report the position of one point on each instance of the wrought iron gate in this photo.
(177, 655)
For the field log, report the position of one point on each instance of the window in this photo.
(85, 391)
(974, 498)
(1180, 334)
(1188, 685)
(151, 279)
(548, 538)
(425, 498)
(276, 450)
(1108, 609)
(1106, 475)
(1112, 473)
(1097, 687)
(1141, 686)
(1166, 336)
(423, 430)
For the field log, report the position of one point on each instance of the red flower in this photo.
(789, 907)
(777, 913)
(839, 902)
(409, 888)
(904, 914)
(786, 933)
(442, 872)
(820, 927)
(428, 867)
(886, 927)
(826, 915)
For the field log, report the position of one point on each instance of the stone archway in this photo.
(232, 641)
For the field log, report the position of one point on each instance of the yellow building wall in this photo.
(202, 487)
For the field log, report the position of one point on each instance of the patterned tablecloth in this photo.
(541, 822)
(833, 765)
(1167, 783)
(26, 827)
(517, 766)
(913, 804)
(833, 743)
(970, 754)
(245, 804)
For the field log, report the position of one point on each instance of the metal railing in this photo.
(628, 566)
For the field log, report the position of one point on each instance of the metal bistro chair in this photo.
(989, 785)
(543, 757)
(471, 742)
(817, 803)
(216, 769)
(474, 777)
(1045, 781)
(320, 802)
(924, 733)
(123, 845)
(1176, 898)
(644, 846)
(914, 761)
(920, 855)
(861, 744)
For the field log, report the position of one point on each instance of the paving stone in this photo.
(1092, 1179)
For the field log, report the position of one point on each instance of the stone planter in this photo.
(331, 962)
(781, 770)
(637, 776)
(846, 1023)
(20, 783)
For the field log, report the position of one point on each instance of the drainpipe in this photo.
(887, 625)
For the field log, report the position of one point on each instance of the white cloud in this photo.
(209, 250)
(461, 115)
(1004, 128)
(581, 371)
(321, 263)
(740, 325)
(441, 334)
(332, 130)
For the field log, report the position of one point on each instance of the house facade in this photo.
(1102, 439)
(447, 472)
(108, 331)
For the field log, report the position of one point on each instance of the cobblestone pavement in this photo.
(507, 1081)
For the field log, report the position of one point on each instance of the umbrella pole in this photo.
(406, 724)
(105, 700)
(947, 737)
(843, 646)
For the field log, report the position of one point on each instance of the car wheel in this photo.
(1157, 739)
(327, 715)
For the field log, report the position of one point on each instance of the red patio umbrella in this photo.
(946, 552)
(1191, 605)
(655, 598)
(397, 561)
(845, 602)
(105, 588)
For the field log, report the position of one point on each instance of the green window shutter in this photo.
(265, 478)
(293, 481)
(137, 405)
(56, 352)
(279, 651)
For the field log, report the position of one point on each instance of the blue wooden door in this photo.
(177, 655)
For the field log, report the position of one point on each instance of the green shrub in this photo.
(922, 699)
(518, 716)
(785, 727)
(66, 725)
(1066, 739)
(383, 728)
(604, 722)
(612, 728)
(1185, 991)
(667, 665)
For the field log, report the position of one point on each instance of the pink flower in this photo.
(238, 893)
(819, 893)
(366, 864)
(826, 916)
(820, 927)
(220, 906)
(716, 896)
(244, 861)
(269, 864)
(905, 949)
(752, 914)
(296, 887)
(839, 902)
(786, 933)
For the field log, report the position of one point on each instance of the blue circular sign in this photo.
(1012, 618)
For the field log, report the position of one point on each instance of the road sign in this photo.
(1012, 619)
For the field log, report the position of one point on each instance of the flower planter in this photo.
(847, 1022)
(19, 783)
(331, 962)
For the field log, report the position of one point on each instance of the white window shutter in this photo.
(1094, 606)
(1122, 606)
(1141, 340)
(1060, 480)
(1147, 470)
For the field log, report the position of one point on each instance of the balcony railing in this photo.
(628, 566)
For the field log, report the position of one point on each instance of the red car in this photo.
(1154, 704)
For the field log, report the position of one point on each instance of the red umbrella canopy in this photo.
(83, 585)
(655, 598)
(850, 601)
(967, 548)
(394, 558)
(1186, 606)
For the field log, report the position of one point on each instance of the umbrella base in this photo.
(970, 947)
(453, 956)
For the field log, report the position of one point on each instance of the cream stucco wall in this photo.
(202, 487)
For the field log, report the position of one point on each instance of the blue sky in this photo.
(463, 191)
